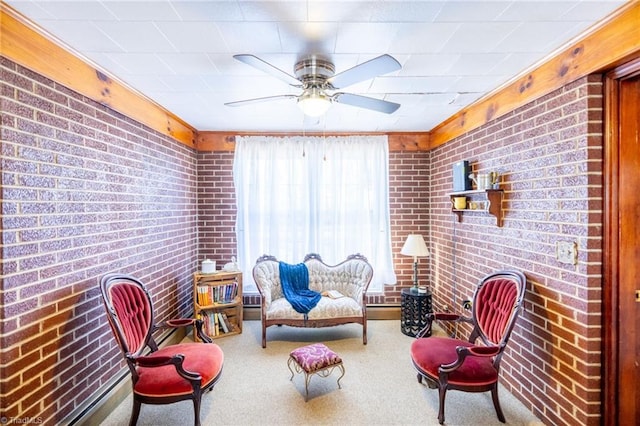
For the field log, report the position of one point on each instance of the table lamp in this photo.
(416, 247)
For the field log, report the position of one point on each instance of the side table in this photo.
(413, 311)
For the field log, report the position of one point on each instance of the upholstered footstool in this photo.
(314, 359)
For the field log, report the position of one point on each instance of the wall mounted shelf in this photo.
(485, 200)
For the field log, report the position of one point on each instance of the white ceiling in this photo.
(179, 52)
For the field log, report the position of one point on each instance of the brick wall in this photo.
(409, 204)
(216, 206)
(85, 191)
(408, 175)
(550, 155)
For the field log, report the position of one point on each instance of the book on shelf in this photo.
(206, 324)
(227, 322)
(212, 294)
(223, 325)
(216, 323)
(203, 296)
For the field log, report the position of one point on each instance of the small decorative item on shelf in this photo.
(208, 266)
(484, 181)
(231, 266)
(459, 203)
(494, 178)
(461, 180)
(481, 180)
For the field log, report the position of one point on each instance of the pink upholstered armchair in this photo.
(472, 365)
(159, 375)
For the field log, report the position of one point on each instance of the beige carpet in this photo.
(379, 387)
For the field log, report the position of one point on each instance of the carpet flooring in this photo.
(378, 388)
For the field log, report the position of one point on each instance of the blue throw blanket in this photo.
(295, 286)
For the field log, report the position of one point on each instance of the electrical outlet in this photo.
(567, 252)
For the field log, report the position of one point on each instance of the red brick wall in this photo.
(85, 191)
(409, 204)
(216, 207)
(550, 153)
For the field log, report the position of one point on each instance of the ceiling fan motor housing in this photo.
(314, 72)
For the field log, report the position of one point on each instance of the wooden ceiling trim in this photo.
(22, 43)
(226, 142)
(613, 43)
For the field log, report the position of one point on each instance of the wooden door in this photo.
(622, 248)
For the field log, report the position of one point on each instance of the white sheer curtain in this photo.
(299, 195)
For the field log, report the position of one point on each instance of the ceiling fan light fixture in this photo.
(314, 102)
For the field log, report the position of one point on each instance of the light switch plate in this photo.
(567, 252)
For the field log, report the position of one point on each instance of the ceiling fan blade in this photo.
(258, 100)
(366, 102)
(377, 66)
(264, 66)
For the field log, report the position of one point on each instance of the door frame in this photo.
(611, 297)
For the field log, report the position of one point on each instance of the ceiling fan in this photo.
(317, 79)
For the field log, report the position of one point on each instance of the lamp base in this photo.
(414, 289)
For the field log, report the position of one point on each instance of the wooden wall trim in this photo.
(613, 43)
(224, 141)
(24, 44)
(610, 310)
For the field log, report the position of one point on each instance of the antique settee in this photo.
(343, 288)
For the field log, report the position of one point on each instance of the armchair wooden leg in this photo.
(135, 412)
(496, 403)
(431, 384)
(442, 392)
(196, 411)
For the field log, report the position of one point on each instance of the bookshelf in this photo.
(217, 300)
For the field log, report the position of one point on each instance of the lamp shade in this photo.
(415, 246)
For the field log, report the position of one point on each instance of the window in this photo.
(299, 195)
